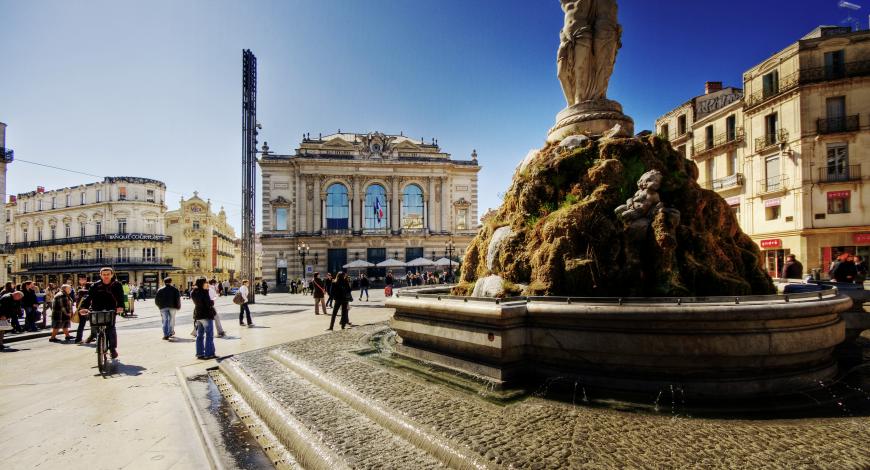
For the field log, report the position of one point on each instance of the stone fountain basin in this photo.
(711, 347)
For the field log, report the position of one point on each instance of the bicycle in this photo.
(100, 319)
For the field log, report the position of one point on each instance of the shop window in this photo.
(771, 213)
(839, 204)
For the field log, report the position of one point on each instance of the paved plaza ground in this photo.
(58, 412)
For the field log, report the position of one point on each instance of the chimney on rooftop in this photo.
(712, 87)
(13, 199)
(40, 189)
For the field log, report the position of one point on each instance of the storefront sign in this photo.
(839, 194)
(862, 238)
(733, 201)
(135, 236)
(772, 243)
(773, 202)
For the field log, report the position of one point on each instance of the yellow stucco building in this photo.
(792, 156)
(203, 243)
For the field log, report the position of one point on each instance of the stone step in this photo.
(318, 428)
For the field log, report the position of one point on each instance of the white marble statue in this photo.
(587, 50)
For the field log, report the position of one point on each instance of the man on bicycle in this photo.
(105, 295)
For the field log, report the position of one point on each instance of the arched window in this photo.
(412, 207)
(336, 207)
(375, 209)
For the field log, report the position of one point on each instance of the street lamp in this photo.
(449, 248)
(302, 249)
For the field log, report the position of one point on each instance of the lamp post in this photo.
(449, 248)
(302, 249)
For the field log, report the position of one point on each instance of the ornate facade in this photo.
(203, 243)
(792, 156)
(117, 222)
(363, 196)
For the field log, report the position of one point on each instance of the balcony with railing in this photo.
(859, 68)
(7, 155)
(106, 237)
(838, 124)
(192, 251)
(375, 231)
(839, 173)
(773, 184)
(719, 142)
(98, 262)
(771, 139)
(336, 232)
(720, 184)
(194, 232)
(786, 83)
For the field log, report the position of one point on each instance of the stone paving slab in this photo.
(540, 433)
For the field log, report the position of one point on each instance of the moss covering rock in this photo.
(559, 234)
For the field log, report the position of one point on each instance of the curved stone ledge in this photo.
(712, 347)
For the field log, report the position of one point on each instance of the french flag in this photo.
(379, 211)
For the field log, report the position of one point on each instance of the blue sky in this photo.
(153, 89)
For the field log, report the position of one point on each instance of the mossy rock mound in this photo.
(566, 240)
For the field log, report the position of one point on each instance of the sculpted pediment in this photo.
(405, 145)
(338, 142)
(280, 201)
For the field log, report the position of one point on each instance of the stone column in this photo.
(317, 205)
(356, 204)
(394, 205)
(301, 203)
(445, 205)
(431, 222)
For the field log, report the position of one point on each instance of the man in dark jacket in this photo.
(9, 308)
(793, 268)
(107, 294)
(845, 270)
(30, 306)
(16, 325)
(168, 300)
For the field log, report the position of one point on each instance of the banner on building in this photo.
(839, 194)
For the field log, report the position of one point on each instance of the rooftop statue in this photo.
(587, 49)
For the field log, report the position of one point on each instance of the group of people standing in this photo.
(337, 293)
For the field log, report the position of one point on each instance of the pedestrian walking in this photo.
(203, 318)
(30, 306)
(106, 294)
(363, 286)
(168, 300)
(793, 268)
(61, 311)
(861, 268)
(10, 307)
(327, 284)
(341, 295)
(265, 288)
(319, 293)
(844, 269)
(13, 319)
(213, 293)
(80, 294)
(243, 307)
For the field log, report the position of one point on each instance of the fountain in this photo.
(607, 281)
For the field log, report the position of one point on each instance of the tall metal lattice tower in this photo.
(249, 167)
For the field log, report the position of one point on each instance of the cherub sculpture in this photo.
(645, 202)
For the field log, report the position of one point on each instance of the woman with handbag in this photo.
(341, 295)
(61, 310)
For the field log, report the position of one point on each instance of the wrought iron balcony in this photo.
(336, 232)
(773, 184)
(770, 139)
(194, 232)
(839, 173)
(786, 83)
(96, 262)
(7, 154)
(195, 251)
(106, 237)
(838, 124)
(375, 231)
(718, 141)
(733, 181)
(860, 68)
